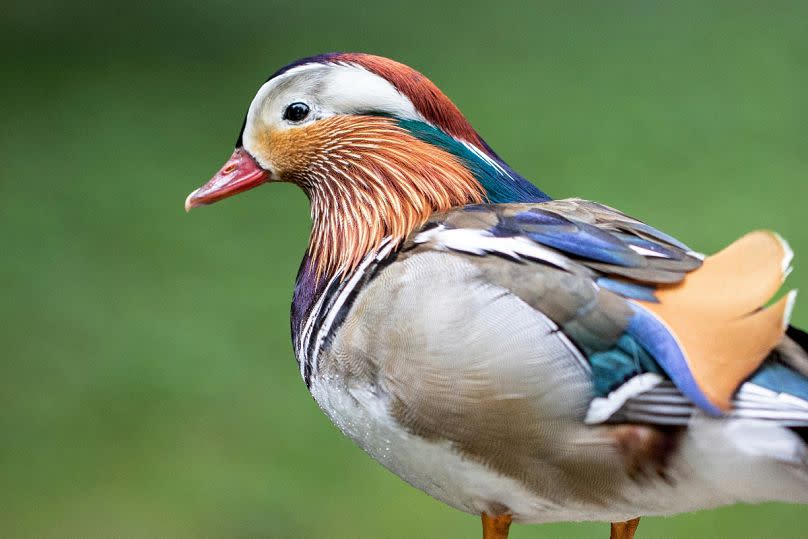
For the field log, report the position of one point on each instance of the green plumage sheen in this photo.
(501, 184)
(616, 365)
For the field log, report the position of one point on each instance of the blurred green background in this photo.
(147, 382)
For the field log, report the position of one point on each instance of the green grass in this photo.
(148, 386)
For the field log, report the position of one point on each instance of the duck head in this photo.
(375, 145)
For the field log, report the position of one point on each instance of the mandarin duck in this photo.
(517, 357)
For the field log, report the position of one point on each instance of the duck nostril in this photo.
(229, 168)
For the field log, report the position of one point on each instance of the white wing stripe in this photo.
(480, 242)
(663, 404)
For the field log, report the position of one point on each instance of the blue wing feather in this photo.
(628, 289)
(652, 335)
(575, 238)
(625, 257)
(781, 379)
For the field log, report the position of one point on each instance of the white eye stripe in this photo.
(328, 89)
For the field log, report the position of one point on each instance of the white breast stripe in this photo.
(330, 311)
(305, 335)
(343, 294)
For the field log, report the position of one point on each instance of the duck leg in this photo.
(624, 530)
(496, 527)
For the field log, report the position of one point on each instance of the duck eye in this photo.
(296, 112)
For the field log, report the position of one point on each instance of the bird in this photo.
(519, 357)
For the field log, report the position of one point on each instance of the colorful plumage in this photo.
(514, 356)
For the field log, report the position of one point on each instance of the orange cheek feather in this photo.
(291, 151)
(367, 179)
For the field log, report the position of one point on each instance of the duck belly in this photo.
(433, 466)
(718, 463)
